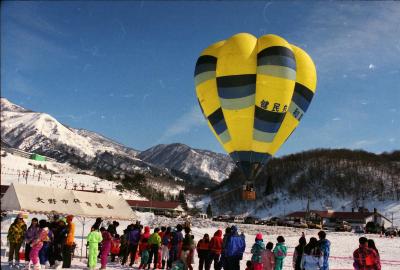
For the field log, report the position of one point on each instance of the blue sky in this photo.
(125, 69)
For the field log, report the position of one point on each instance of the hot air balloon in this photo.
(253, 93)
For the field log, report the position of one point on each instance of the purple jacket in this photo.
(31, 234)
(134, 237)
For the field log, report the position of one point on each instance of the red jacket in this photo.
(366, 258)
(216, 242)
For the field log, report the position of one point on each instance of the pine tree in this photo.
(209, 211)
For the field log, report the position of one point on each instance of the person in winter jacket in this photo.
(216, 249)
(234, 249)
(165, 243)
(144, 253)
(203, 251)
(298, 253)
(312, 258)
(115, 247)
(268, 257)
(371, 244)
(44, 251)
(69, 242)
(124, 249)
(36, 245)
(188, 246)
(31, 234)
(60, 234)
(154, 244)
(280, 252)
(365, 258)
(325, 246)
(105, 247)
(133, 242)
(15, 237)
(257, 250)
(176, 244)
(93, 239)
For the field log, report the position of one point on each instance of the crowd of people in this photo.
(46, 242)
(52, 243)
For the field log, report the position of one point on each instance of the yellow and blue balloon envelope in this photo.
(253, 93)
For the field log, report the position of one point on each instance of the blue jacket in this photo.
(325, 246)
(235, 245)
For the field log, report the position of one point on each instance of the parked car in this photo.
(224, 218)
(343, 226)
(391, 231)
(276, 221)
(312, 225)
(300, 224)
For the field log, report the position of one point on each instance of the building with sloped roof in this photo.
(167, 208)
(329, 218)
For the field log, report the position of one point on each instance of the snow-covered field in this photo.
(57, 175)
(342, 244)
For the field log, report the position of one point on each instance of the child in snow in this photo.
(280, 252)
(144, 253)
(36, 245)
(268, 257)
(105, 247)
(94, 238)
(257, 250)
(115, 247)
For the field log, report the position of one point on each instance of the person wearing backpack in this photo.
(257, 250)
(280, 252)
(234, 249)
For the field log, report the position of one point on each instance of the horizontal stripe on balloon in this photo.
(304, 91)
(237, 91)
(300, 101)
(216, 116)
(277, 60)
(237, 103)
(276, 50)
(268, 116)
(236, 80)
(205, 63)
(205, 76)
(225, 137)
(220, 127)
(250, 156)
(277, 71)
(264, 126)
(263, 136)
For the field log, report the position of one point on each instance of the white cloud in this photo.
(371, 66)
(184, 124)
(336, 119)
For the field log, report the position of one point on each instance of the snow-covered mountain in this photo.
(43, 134)
(195, 162)
(35, 131)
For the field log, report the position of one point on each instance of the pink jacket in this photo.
(268, 260)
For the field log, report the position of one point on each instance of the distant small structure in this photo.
(167, 208)
(330, 218)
